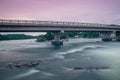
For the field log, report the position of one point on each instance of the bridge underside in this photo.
(46, 28)
(105, 33)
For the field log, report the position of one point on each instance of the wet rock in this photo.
(23, 64)
(91, 68)
(80, 68)
(29, 63)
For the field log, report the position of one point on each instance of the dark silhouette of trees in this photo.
(15, 37)
(49, 36)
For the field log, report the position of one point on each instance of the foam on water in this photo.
(20, 44)
(77, 40)
(28, 73)
(103, 53)
(47, 73)
(31, 72)
(79, 49)
(67, 69)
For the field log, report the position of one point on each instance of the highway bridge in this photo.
(56, 27)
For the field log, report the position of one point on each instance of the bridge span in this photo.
(56, 27)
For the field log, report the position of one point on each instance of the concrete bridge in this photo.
(108, 31)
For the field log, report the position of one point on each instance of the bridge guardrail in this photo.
(56, 23)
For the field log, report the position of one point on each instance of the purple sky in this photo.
(96, 11)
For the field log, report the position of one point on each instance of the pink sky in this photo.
(92, 11)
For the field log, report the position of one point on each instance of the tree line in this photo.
(48, 36)
(15, 36)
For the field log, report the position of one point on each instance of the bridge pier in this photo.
(57, 41)
(117, 35)
(106, 36)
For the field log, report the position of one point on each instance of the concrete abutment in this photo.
(117, 35)
(110, 36)
(106, 36)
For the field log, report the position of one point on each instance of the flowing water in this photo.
(58, 63)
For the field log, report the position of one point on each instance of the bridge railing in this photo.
(55, 23)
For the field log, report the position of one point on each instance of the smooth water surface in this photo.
(58, 63)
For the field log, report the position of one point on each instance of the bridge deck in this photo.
(34, 25)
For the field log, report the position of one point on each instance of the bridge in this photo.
(58, 27)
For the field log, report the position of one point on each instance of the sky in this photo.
(91, 11)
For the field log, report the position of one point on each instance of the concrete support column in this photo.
(113, 36)
(57, 40)
(117, 35)
(106, 36)
(56, 36)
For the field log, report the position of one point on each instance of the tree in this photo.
(15, 37)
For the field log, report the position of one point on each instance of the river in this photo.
(58, 63)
